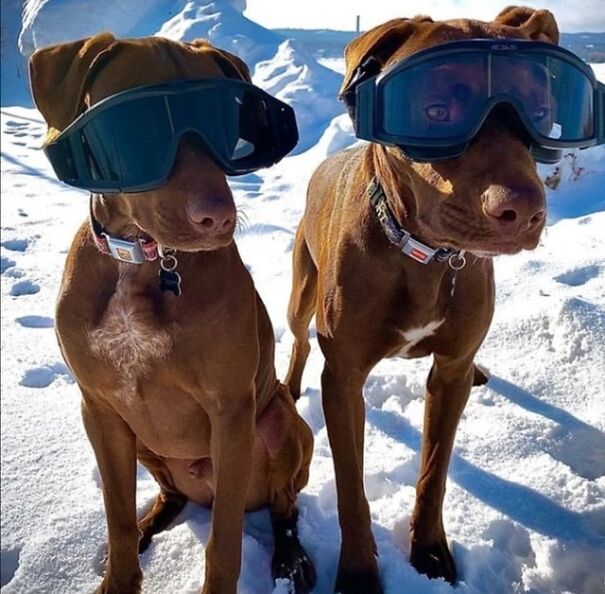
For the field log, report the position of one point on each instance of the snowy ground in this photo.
(525, 508)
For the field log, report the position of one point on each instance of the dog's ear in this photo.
(539, 25)
(379, 43)
(59, 75)
(230, 64)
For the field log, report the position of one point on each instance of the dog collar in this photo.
(402, 239)
(124, 250)
(138, 252)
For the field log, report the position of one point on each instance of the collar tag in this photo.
(124, 250)
(418, 251)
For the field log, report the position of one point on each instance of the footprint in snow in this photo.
(5, 264)
(42, 377)
(579, 276)
(16, 245)
(9, 561)
(25, 287)
(15, 273)
(36, 322)
(14, 124)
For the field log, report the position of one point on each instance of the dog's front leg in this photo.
(114, 445)
(344, 410)
(231, 449)
(447, 391)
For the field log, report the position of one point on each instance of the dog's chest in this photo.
(414, 336)
(130, 336)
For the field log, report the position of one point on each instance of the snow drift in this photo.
(277, 64)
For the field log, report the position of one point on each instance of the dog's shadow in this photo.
(572, 441)
(521, 504)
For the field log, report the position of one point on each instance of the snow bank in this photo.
(225, 26)
(293, 76)
(278, 65)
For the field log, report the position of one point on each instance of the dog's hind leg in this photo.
(167, 505)
(447, 391)
(289, 444)
(165, 509)
(301, 309)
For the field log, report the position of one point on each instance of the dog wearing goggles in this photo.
(180, 379)
(394, 258)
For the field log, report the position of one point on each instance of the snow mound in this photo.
(280, 66)
(46, 22)
(223, 24)
(295, 77)
(571, 181)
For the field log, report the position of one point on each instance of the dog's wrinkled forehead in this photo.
(154, 60)
(68, 77)
(394, 40)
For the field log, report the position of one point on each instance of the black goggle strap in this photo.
(284, 130)
(600, 113)
(368, 68)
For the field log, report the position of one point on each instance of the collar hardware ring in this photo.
(169, 278)
(168, 261)
(457, 261)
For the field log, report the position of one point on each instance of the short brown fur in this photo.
(366, 295)
(186, 384)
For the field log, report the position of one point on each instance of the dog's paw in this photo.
(348, 582)
(434, 561)
(291, 562)
(480, 375)
(111, 585)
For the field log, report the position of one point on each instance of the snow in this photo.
(525, 506)
(277, 64)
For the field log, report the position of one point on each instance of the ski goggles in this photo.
(433, 103)
(128, 142)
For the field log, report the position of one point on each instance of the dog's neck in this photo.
(395, 180)
(109, 212)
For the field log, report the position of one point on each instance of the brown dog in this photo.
(371, 301)
(185, 384)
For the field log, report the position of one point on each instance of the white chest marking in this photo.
(129, 336)
(416, 335)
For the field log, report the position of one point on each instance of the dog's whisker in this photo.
(242, 222)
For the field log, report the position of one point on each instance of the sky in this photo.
(572, 16)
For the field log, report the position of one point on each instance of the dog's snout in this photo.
(514, 209)
(212, 216)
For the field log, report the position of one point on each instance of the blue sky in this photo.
(574, 15)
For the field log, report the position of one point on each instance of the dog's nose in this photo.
(212, 216)
(514, 210)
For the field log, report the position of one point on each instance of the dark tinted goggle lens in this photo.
(447, 97)
(131, 144)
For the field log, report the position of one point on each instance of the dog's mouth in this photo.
(478, 240)
(188, 240)
(195, 243)
(490, 248)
